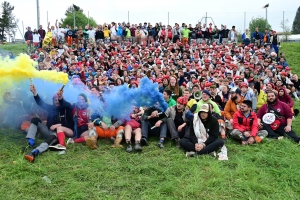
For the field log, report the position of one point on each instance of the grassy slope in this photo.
(15, 48)
(265, 171)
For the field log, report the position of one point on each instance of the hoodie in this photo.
(286, 98)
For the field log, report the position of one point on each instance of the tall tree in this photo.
(7, 20)
(73, 8)
(296, 23)
(260, 23)
(80, 18)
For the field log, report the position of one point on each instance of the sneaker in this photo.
(177, 142)
(57, 147)
(70, 141)
(91, 142)
(190, 154)
(160, 145)
(280, 138)
(31, 156)
(138, 147)
(129, 148)
(144, 142)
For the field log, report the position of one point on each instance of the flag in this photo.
(266, 6)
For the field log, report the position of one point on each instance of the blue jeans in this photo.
(147, 131)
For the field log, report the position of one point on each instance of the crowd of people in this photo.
(214, 86)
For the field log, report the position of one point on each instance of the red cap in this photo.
(279, 66)
(244, 85)
(208, 84)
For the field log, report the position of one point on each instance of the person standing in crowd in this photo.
(274, 40)
(246, 37)
(256, 37)
(42, 34)
(28, 38)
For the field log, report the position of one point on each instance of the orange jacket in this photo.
(230, 108)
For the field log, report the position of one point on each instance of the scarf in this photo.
(199, 130)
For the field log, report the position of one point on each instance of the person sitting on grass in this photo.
(133, 127)
(58, 118)
(276, 118)
(154, 120)
(176, 119)
(284, 97)
(245, 127)
(203, 133)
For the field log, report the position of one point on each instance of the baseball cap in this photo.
(204, 108)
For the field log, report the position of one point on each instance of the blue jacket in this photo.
(254, 33)
(120, 31)
(284, 64)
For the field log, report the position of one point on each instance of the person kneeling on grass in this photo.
(203, 133)
(245, 125)
(133, 127)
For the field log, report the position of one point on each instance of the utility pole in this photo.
(38, 13)
(88, 17)
(74, 19)
(128, 16)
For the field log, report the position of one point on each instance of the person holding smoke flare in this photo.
(58, 117)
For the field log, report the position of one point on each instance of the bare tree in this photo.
(287, 31)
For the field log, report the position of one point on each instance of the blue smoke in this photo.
(118, 101)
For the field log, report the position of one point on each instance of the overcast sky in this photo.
(229, 12)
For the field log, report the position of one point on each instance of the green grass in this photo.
(263, 171)
(15, 48)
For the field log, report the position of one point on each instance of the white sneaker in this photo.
(70, 141)
(58, 147)
(190, 154)
(280, 138)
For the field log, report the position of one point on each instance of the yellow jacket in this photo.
(261, 99)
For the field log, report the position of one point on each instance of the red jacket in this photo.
(241, 123)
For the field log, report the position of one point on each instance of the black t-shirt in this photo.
(178, 119)
(69, 33)
(296, 84)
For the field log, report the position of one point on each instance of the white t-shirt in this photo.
(91, 33)
(36, 37)
(54, 33)
(113, 31)
(60, 32)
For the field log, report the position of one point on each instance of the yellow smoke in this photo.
(23, 68)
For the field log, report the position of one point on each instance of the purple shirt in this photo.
(280, 107)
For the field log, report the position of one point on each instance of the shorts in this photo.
(82, 129)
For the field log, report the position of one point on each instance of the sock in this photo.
(137, 142)
(35, 152)
(128, 141)
(31, 141)
(79, 140)
(61, 138)
(161, 140)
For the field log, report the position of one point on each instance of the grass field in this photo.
(263, 171)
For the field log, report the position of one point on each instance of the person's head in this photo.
(244, 87)
(204, 112)
(271, 97)
(187, 93)
(206, 95)
(173, 81)
(167, 94)
(256, 28)
(281, 92)
(55, 100)
(236, 95)
(95, 91)
(246, 106)
(181, 103)
(81, 101)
